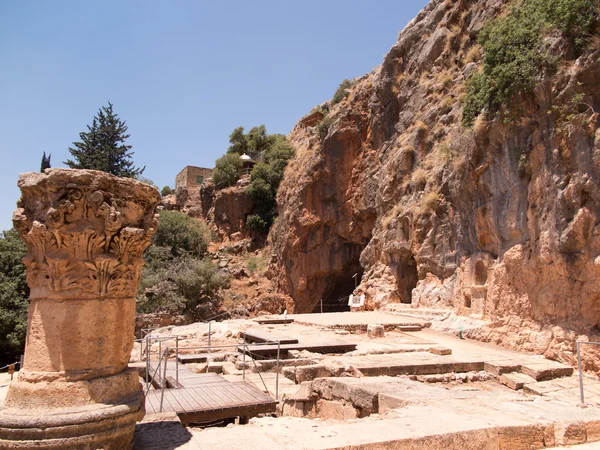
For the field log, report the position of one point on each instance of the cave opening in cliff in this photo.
(407, 277)
(341, 285)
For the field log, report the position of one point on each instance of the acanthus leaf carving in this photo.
(86, 232)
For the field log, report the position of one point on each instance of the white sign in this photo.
(356, 301)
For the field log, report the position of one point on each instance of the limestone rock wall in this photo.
(498, 222)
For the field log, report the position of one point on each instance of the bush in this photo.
(341, 92)
(14, 294)
(256, 223)
(181, 234)
(264, 182)
(186, 285)
(166, 191)
(323, 127)
(514, 56)
(227, 170)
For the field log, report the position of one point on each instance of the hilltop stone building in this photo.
(192, 176)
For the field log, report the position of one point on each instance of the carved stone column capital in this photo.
(86, 231)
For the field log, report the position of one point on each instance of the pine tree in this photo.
(103, 146)
(45, 162)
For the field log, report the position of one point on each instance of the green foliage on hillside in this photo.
(181, 234)
(13, 297)
(166, 190)
(264, 182)
(227, 171)
(273, 152)
(342, 91)
(514, 54)
(177, 277)
(103, 146)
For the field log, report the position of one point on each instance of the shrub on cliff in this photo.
(514, 54)
(181, 234)
(166, 190)
(227, 170)
(176, 278)
(264, 182)
(342, 91)
(182, 285)
(14, 294)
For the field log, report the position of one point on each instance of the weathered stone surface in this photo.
(375, 331)
(546, 370)
(515, 381)
(502, 367)
(439, 350)
(85, 231)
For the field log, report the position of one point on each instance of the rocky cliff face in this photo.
(497, 223)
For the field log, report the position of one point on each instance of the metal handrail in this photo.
(579, 368)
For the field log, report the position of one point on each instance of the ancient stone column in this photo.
(85, 231)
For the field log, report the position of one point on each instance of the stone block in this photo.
(439, 350)
(289, 373)
(515, 381)
(501, 367)
(336, 410)
(215, 367)
(546, 370)
(592, 431)
(375, 331)
(308, 373)
(388, 402)
(228, 368)
(569, 433)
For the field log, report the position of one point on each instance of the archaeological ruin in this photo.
(86, 232)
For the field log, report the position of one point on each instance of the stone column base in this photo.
(93, 414)
(92, 427)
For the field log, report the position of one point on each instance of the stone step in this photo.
(546, 370)
(409, 328)
(501, 367)
(515, 381)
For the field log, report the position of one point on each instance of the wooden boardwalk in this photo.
(205, 397)
(209, 402)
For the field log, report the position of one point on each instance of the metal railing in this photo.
(579, 368)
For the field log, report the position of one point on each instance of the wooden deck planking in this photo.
(212, 402)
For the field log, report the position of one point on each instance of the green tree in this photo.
(264, 182)
(238, 142)
(166, 190)
(14, 293)
(45, 162)
(103, 146)
(181, 234)
(227, 170)
(177, 278)
(184, 285)
(258, 141)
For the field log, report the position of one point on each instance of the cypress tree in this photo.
(103, 146)
(45, 162)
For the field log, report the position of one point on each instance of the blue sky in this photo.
(182, 74)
